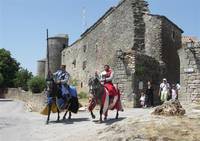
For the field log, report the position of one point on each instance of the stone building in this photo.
(139, 46)
(190, 69)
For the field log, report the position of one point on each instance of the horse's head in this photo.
(94, 85)
(52, 87)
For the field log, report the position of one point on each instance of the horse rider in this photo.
(106, 78)
(61, 78)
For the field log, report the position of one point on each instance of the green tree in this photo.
(1, 79)
(36, 84)
(22, 78)
(8, 68)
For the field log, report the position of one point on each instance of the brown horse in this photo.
(99, 96)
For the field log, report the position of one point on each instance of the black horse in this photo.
(54, 94)
(98, 91)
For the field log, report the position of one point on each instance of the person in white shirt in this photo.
(142, 100)
(174, 92)
(164, 90)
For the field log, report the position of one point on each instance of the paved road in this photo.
(16, 124)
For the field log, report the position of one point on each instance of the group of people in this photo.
(166, 92)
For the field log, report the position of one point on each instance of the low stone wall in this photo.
(34, 102)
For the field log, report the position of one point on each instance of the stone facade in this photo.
(190, 71)
(136, 44)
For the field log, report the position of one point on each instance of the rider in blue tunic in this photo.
(61, 77)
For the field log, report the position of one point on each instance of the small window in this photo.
(96, 47)
(81, 84)
(84, 48)
(173, 35)
(64, 46)
(84, 65)
(74, 63)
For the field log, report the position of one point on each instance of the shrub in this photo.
(36, 84)
(74, 82)
(82, 95)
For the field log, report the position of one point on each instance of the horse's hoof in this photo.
(116, 117)
(105, 118)
(100, 121)
(47, 122)
(69, 118)
(64, 118)
(93, 117)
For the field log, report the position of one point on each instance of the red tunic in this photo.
(109, 85)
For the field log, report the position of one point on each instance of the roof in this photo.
(164, 17)
(186, 39)
(59, 36)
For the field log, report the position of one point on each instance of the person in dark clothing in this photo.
(149, 95)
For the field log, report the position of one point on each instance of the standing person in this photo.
(174, 92)
(149, 95)
(142, 100)
(178, 87)
(164, 90)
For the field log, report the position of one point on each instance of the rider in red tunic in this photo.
(106, 78)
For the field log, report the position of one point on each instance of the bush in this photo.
(36, 84)
(82, 95)
(74, 82)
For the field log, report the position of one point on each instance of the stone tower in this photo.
(56, 45)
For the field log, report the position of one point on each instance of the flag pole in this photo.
(48, 68)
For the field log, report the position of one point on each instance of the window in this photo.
(96, 47)
(84, 48)
(81, 84)
(173, 35)
(84, 65)
(74, 63)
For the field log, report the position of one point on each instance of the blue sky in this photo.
(23, 23)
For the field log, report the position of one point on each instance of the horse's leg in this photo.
(64, 117)
(101, 112)
(49, 112)
(117, 114)
(70, 114)
(58, 118)
(92, 114)
(106, 114)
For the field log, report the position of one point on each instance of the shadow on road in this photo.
(70, 121)
(110, 121)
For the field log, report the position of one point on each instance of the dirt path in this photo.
(19, 125)
(16, 124)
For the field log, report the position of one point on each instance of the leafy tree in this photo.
(1, 79)
(8, 68)
(36, 84)
(22, 77)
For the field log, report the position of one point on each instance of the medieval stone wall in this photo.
(171, 42)
(153, 34)
(190, 74)
(99, 43)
